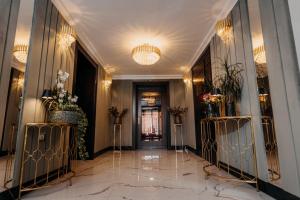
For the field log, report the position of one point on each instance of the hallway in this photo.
(147, 175)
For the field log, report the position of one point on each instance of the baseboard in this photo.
(10, 194)
(98, 153)
(266, 187)
(3, 153)
(191, 149)
(110, 148)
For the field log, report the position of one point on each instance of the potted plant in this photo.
(231, 85)
(63, 109)
(177, 113)
(117, 115)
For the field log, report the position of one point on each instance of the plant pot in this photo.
(230, 109)
(117, 120)
(177, 119)
(70, 117)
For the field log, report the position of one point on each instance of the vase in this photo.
(61, 116)
(209, 110)
(177, 119)
(230, 109)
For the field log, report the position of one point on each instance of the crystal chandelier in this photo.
(20, 52)
(146, 54)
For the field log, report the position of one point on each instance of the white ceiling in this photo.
(111, 28)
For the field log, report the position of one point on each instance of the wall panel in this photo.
(284, 86)
(45, 57)
(9, 10)
(239, 50)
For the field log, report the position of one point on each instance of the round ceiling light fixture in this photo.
(20, 52)
(146, 54)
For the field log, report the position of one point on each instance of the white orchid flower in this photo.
(60, 72)
(61, 95)
(60, 85)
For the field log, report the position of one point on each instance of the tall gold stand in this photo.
(175, 137)
(49, 155)
(116, 126)
(271, 148)
(228, 143)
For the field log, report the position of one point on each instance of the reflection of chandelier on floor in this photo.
(146, 54)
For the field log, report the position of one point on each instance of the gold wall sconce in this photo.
(107, 81)
(67, 36)
(186, 79)
(20, 52)
(224, 29)
(260, 55)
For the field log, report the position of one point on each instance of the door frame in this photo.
(79, 47)
(135, 113)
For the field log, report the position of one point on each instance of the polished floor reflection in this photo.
(146, 175)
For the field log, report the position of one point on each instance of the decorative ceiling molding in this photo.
(146, 77)
(226, 10)
(87, 42)
(81, 36)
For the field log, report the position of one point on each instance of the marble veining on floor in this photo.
(146, 175)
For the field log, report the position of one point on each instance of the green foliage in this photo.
(115, 113)
(82, 128)
(177, 111)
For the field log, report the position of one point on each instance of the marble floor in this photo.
(146, 175)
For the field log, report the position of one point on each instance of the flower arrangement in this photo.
(117, 115)
(62, 100)
(177, 113)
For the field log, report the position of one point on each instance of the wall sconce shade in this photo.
(67, 36)
(224, 29)
(107, 81)
(186, 78)
(20, 52)
(47, 94)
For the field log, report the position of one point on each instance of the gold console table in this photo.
(228, 143)
(49, 155)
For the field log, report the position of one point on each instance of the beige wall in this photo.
(190, 132)
(122, 92)
(122, 98)
(102, 131)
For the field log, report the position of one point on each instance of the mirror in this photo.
(265, 101)
(15, 85)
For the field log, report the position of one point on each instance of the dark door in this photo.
(152, 103)
(85, 87)
(202, 76)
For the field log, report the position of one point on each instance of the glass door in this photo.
(151, 114)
